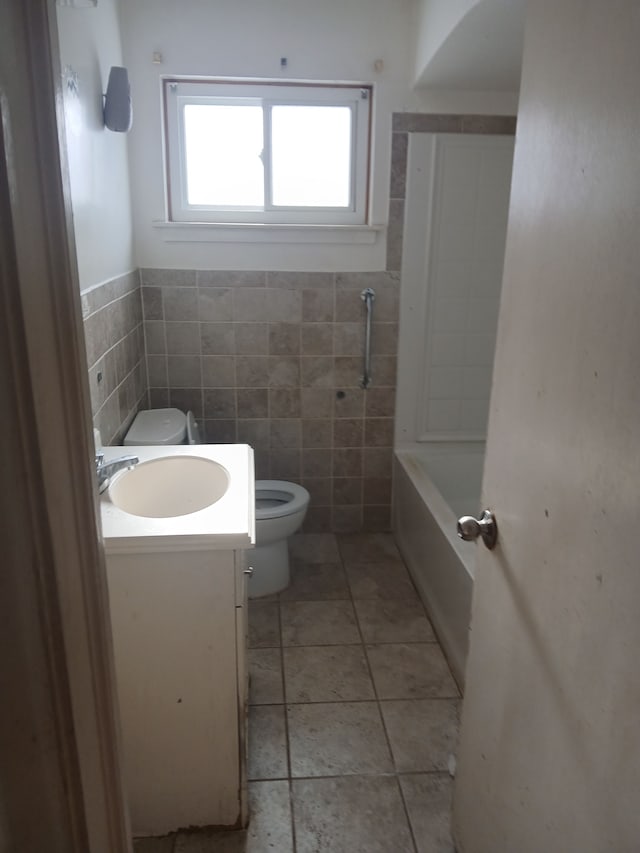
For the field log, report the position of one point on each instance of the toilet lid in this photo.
(157, 426)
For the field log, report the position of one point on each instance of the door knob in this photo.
(470, 528)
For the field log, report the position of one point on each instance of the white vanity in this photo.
(177, 590)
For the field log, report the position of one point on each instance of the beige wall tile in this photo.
(316, 339)
(316, 432)
(252, 402)
(218, 371)
(315, 402)
(216, 338)
(284, 403)
(318, 305)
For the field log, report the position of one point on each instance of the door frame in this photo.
(59, 729)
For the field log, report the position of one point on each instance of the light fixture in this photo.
(117, 102)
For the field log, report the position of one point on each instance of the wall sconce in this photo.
(117, 102)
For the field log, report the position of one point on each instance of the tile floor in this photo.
(353, 712)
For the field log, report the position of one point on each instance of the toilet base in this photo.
(270, 569)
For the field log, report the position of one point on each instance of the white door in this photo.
(549, 759)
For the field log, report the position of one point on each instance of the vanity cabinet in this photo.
(178, 602)
(179, 625)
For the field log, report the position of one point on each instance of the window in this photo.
(266, 153)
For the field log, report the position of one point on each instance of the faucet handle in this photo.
(99, 459)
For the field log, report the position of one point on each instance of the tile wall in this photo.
(466, 252)
(114, 340)
(274, 359)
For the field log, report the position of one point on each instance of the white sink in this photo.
(169, 486)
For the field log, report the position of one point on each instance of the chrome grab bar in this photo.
(368, 296)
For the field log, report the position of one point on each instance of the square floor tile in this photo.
(327, 674)
(318, 623)
(410, 671)
(393, 621)
(314, 548)
(428, 800)
(423, 733)
(386, 579)
(270, 828)
(368, 547)
(264, 624)
(333, 739)
(267, 742)
(350, 815)
(316, 582)
(265, 671)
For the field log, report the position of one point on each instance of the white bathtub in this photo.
(435, 483)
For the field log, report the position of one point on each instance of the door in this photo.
(549, 757)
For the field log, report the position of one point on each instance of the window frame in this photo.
(179, 91)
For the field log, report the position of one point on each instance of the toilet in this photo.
(280, 510)
(280, 506)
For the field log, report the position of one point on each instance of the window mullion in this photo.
(267, 160)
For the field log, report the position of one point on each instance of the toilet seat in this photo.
(281, 498)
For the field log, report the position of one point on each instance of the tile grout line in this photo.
(286, 732)
(381, 715)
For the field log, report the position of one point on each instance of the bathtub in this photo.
(434, 484)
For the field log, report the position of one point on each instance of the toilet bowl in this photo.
(280, 510)
(280, 506)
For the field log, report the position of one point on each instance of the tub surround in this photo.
(114, 341)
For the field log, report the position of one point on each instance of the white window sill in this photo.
(232, 232)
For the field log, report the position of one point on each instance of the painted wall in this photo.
(472, 45)
(100, 196)
(435, 20)
(332, 40)
(98, 162)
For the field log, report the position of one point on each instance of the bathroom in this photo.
(298, 303)
(263, 339)
(145, 285)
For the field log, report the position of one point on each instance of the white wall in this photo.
(98, 162)
(435, 21)
(331, 40)
(469, 52)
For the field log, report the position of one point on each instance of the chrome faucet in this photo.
(106, 470)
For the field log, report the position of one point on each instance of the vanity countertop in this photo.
(227, 524)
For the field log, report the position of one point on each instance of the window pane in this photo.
(311, 156)
(223, 148)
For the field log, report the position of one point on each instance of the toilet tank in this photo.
(193, 431)
(157, 426)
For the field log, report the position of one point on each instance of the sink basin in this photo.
(169, 486)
